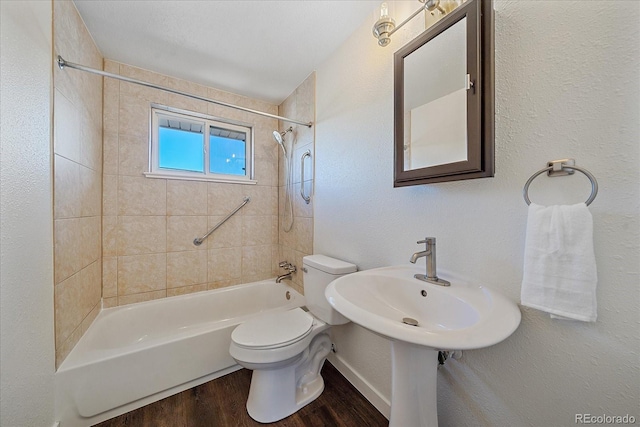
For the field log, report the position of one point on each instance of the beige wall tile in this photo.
(187, 198)
(133, 155)
(142, 297)
(91, 288)
(266, 148)
(256, 260)
(257, 278)
(142, 235)
(68, 252)
(91, 192)
(66, 128)
(274, 230)
(305, 106)
(109, 302)
(262, 202)
(144, 75)
(90, 240)
(78, 116)
(91, 141)
(300, 207)
(141, 273)
(110, 153)
(275, 259)
(182, 230)
(298, 275)
(143, 93)
(186, 268)
(68, 311)
(90, 318)
(183, 290)
(223, 283)
(223, 198)
(288, 109)
(141, 196)
(286, 254)
(224, 264)
(134, 115)
(257, 230)
(188, 87)
(228, 235)
(109, 195)
(304, 230)
(63, 349)
(293, 245)
(111, 106)
(67, 188)
(109, 236)
(188, 104)
(109, 277)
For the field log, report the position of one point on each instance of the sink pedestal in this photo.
(413, 385)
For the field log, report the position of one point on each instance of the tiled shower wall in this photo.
(129, 238)
(77, 180)
(298, 242)
(149, 224)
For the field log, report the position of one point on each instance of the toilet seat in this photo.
(273, 330)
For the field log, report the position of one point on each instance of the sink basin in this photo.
(462, 316)
(421, 318)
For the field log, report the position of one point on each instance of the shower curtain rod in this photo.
(62, 63)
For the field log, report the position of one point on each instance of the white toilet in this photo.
(286, 350)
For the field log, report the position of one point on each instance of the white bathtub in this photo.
(140, 353)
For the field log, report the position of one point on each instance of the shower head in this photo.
(279, 137)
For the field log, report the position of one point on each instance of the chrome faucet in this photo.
(430, 254)
(290, 270)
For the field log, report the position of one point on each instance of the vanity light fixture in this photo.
(386, 25)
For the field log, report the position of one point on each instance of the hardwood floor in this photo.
(221, 403)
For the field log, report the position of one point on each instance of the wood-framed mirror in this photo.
(444, 99)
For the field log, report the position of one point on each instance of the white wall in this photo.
(566, 86)
(26, 242)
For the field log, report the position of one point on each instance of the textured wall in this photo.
(77, 147)
(298, 241)
(149, 224)
(26, 256)
(566, 86)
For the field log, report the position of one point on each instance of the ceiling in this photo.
(260, 49)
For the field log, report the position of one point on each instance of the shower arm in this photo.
(62, 64)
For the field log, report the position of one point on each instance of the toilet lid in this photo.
(273, 330)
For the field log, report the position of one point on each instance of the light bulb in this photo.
(384, 10)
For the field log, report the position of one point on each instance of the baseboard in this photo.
(370, 393)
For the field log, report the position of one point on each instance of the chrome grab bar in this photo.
(307, 199)
(198, 240)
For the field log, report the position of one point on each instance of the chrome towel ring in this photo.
(559, 168)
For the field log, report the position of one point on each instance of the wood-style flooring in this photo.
(221, 403)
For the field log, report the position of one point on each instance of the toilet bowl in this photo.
(286, 350)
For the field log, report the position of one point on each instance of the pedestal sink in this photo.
(389, 301)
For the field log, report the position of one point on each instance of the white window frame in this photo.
(155, 171)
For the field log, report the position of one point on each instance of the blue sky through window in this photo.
(179, 149)
(227, 156)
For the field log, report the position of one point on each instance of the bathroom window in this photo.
(186, 145)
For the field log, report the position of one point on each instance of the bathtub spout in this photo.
(280, 278)
(290, 270)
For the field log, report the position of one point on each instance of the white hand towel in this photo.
(560, 273)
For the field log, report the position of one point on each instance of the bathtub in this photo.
(140, 353)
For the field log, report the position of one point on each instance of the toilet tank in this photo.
(319, 271)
